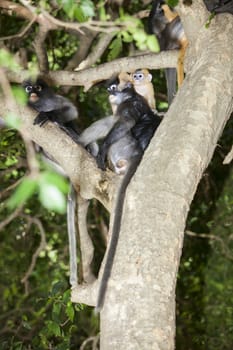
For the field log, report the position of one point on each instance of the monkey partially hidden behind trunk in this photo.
(165, 23)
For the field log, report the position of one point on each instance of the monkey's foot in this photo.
(100, 160)
(41, 119)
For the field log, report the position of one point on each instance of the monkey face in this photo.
(141, 77)
(35, 90)
(117, 96)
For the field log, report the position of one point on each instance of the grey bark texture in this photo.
(139, 309)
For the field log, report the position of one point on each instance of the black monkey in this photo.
(51, 107)
(167, 26)
(58, 109)
(134, 119)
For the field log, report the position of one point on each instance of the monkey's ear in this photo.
(149, 77)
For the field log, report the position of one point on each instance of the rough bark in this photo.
(139, 309)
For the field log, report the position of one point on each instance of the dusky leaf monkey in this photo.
(58, 109)
(165, 23)
(51, 107)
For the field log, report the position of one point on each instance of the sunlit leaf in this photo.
(126, 36)
(152, 43)
(24, 191)
(87, 7)
(51, 197)
(140, 36)
(8, 61)
(50, 177)
(13, 121)
(79, 15)
(20, 95)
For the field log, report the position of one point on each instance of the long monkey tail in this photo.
(170, 74)
(119, 204)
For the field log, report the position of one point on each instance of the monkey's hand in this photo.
(41, 119)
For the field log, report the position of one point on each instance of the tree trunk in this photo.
(139, 309)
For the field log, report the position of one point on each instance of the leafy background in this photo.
(36, 312)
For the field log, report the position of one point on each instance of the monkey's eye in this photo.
(38, 87)
(138, 76)
(28, 88)
(112, 87)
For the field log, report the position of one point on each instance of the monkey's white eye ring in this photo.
(38, 87)
(28, 89)
(138, 76)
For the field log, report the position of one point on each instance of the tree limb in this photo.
(90, 76)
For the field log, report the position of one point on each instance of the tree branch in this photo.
(88, 77)
(77, 163)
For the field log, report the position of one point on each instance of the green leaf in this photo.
(58, 287)
(126, 37)
(52, 198)
(26, 325)
(152, 43)
(115, 48)
(8, 61)
(13, 121)
(70, 311)
(140, 36)
(79, 15)
(56, 311)
(87, 7)
(50, 177)
(66, 296)
(53, 328)
(24, 191)
(172, 3)
(20, 95)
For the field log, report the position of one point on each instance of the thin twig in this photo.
(11, 217)
(94, 340)
(224, 247)
(20, 34)
(97, 52)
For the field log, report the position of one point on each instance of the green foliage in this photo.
(172, 3)
(134, 31)
(24, 191)
(13, 121)
(8, 61)
(38, 314)
(50, 186)
(81, 10)
(115, 48)
(19, 95)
